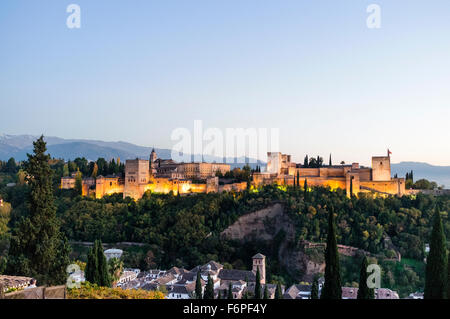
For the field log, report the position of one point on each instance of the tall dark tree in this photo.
(198, 286)
(37, 248)
(105, 277)
(266, 292)
(306, 161)
(278, 292)
(351, 186)
(330, 163)
(436, 269)
(258, 285)
(230, 291)
(364, 292)
(305, 188)
(332, 288)
(448, 275)
(91, 272)
(79, 184)
(315, 289)
(298, 178)
(209, 289)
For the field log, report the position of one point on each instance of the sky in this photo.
(137, 70)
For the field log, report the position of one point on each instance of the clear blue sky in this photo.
(136, 70)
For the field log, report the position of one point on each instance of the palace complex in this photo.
(353, 178)
(165, 175)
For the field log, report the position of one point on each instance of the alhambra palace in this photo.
(165, 175)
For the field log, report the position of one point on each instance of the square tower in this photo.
(381, 168)
(259, 262)
(137, 177)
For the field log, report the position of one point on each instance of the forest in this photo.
(184, 231)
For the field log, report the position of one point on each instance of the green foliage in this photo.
(230, 291)
(436, 270)
(198, 286)
(97, 271)
(364, 292)
(278, 292)
(266, 292)
(258, 284)
(209, 289)
(332, 286)
(37, 248)
(315, 289)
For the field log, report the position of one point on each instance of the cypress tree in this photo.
(278, 292)
(332, 288)
(91, 271)
(258, 285)
(315, 289)
(104, 276)
(364, 292)
(209, 289)
(351, 186)
(306, 161)
(198, 286)
(266, 293)
(436, 269)
(37, 248)
(79, 184)
(230, 291)
(330, 161)
(448, 275)
(305, 188)
(298, 178)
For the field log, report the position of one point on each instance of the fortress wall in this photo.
(365, 174)
(308, 172)
(331, 172)
(392, 187)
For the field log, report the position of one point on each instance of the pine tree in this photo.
(266, 293)
(278, 292)
(230, 291)
(198, 286)
(332, 288)
(258, 285)
(315, 289)
(330, 164)
(37, 248)
(209, 289)
(364, 292)
(436, 269)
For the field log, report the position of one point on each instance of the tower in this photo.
(381, 168)
(153, 158)
(259, 262)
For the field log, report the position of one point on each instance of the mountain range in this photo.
(18, 146)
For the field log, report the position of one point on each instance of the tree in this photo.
(315, 289)
(79, 184)
(91, 273)
(258, 285)
(364, 292)
(115, 267)
(105, 278)
(266, 293)
(306, 161)
(209, 289)
(305, 188)
(298, 178)
(94, 170)
(230, 291)
(198, 286)
(278, 292)
(11, 166)
(332, 287)
(37, 248)
(97, 268)
(436, 269)
(330, 163)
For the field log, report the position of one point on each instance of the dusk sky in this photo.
(137, 70)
